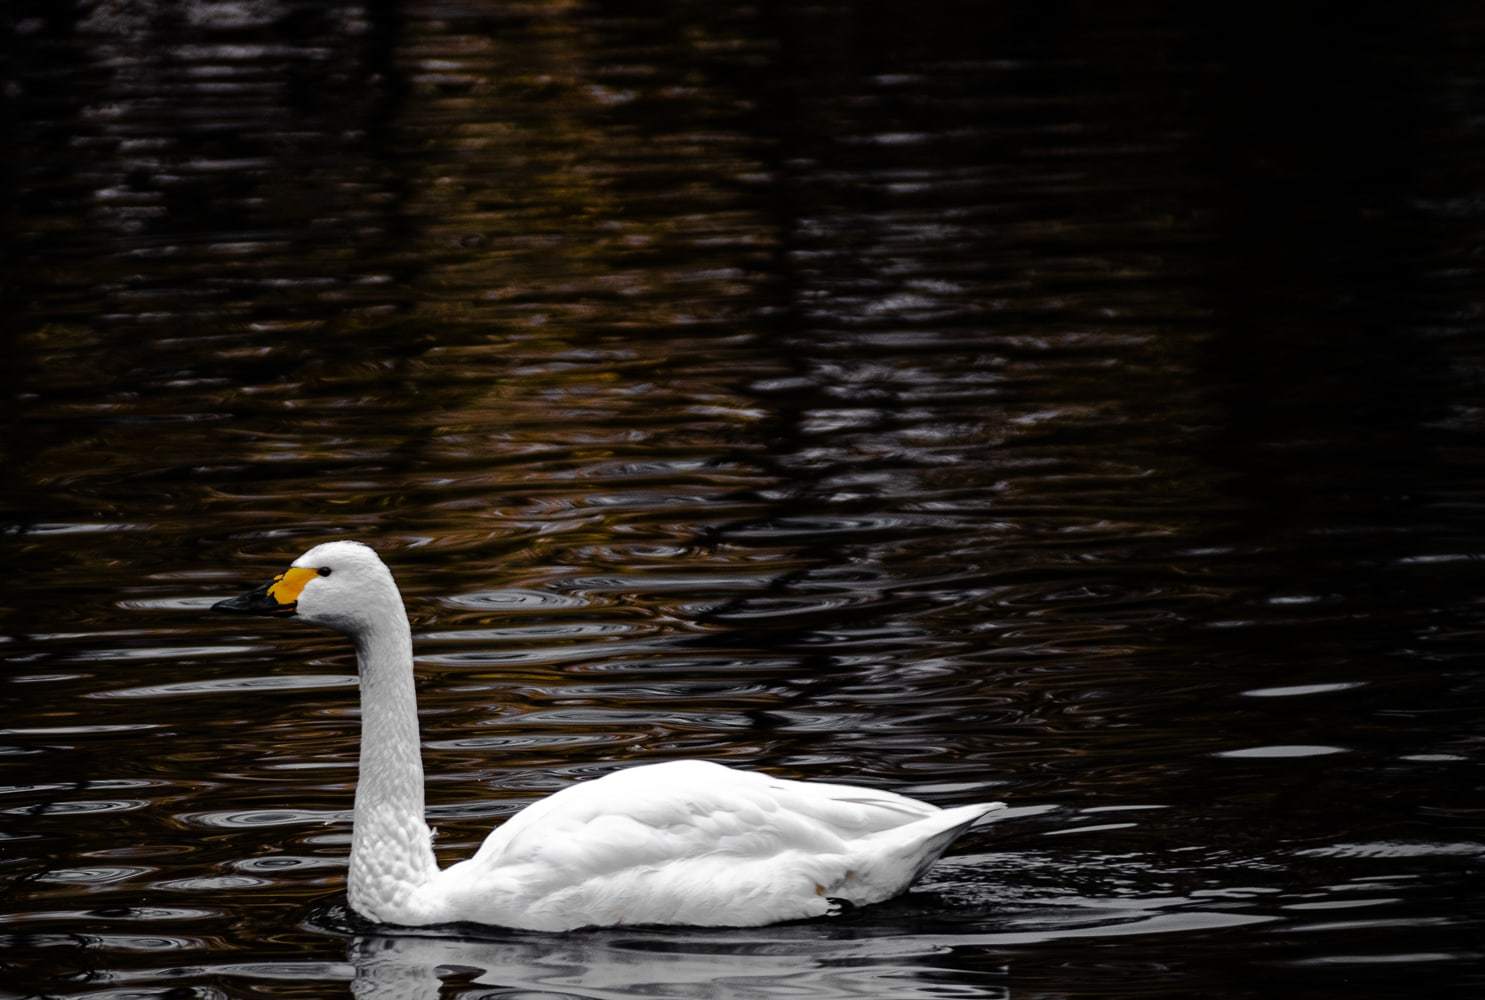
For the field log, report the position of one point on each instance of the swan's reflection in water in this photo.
(602, 965)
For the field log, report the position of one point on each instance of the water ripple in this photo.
(259, 818)
(234, 685)
(1282, 751)
(513, 600)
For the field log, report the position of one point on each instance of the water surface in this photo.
(1083, 411)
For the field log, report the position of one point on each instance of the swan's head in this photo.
(342, 585)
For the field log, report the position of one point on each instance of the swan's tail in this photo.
(932, 836)
(891, 860)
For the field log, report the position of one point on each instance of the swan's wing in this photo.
(665, 812)
(697, 843)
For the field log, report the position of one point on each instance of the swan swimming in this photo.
(687, 842)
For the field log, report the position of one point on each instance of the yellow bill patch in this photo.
(288, 585)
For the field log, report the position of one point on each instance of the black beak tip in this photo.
(255, 603)
(232, 605)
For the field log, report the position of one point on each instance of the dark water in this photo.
(1078, 405)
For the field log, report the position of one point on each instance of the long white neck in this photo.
(391, 848)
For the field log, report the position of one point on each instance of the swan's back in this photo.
(692, 842)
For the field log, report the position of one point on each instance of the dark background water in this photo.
(1077, 404)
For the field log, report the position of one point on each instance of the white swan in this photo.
(687, 842)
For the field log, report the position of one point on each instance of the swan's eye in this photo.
(324, 570)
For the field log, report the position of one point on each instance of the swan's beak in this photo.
(279, 597)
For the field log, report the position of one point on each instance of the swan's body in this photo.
(687, 842)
